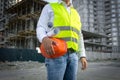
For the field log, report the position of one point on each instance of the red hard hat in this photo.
(60, 48)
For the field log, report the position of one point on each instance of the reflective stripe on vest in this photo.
(68, 28)
(69, 24)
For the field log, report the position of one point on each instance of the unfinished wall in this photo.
(21, 26)
(102, 56)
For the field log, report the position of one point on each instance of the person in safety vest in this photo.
(61, 21)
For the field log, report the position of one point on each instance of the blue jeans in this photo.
(62, 68)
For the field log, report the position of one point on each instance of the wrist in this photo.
(82, 58)
(44, 38)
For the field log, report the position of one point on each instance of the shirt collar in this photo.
(62, 2)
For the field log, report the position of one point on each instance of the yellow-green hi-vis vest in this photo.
(68, 23)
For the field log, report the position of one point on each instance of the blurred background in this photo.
(100, 25)
(18, 42)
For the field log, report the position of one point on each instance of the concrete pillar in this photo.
(26, 25)
(32, 7)
(31, 25)
(31, 43)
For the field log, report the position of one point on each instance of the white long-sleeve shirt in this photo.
(46, 16)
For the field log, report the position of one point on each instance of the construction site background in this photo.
(18, 20)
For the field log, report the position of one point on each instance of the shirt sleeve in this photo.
(42, 23)
(81, 52)
(82, 47)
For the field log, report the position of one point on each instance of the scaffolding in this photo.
(93, 23)
(22, 16)
(21, 26)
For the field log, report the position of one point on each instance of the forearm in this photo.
(40, 32)
(82, 47)
(42, 24)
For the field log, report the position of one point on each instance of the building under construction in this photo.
(20, 22)
(92, 17)
(18, 19)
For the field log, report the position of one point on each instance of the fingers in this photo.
(48, 45)
(84, 66)
(53, 50)
(84, 63)
(53, 44)
(48, 49)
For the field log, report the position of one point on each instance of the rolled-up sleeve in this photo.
(42, 24)
(82, 47)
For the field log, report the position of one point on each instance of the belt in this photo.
(70, 50)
